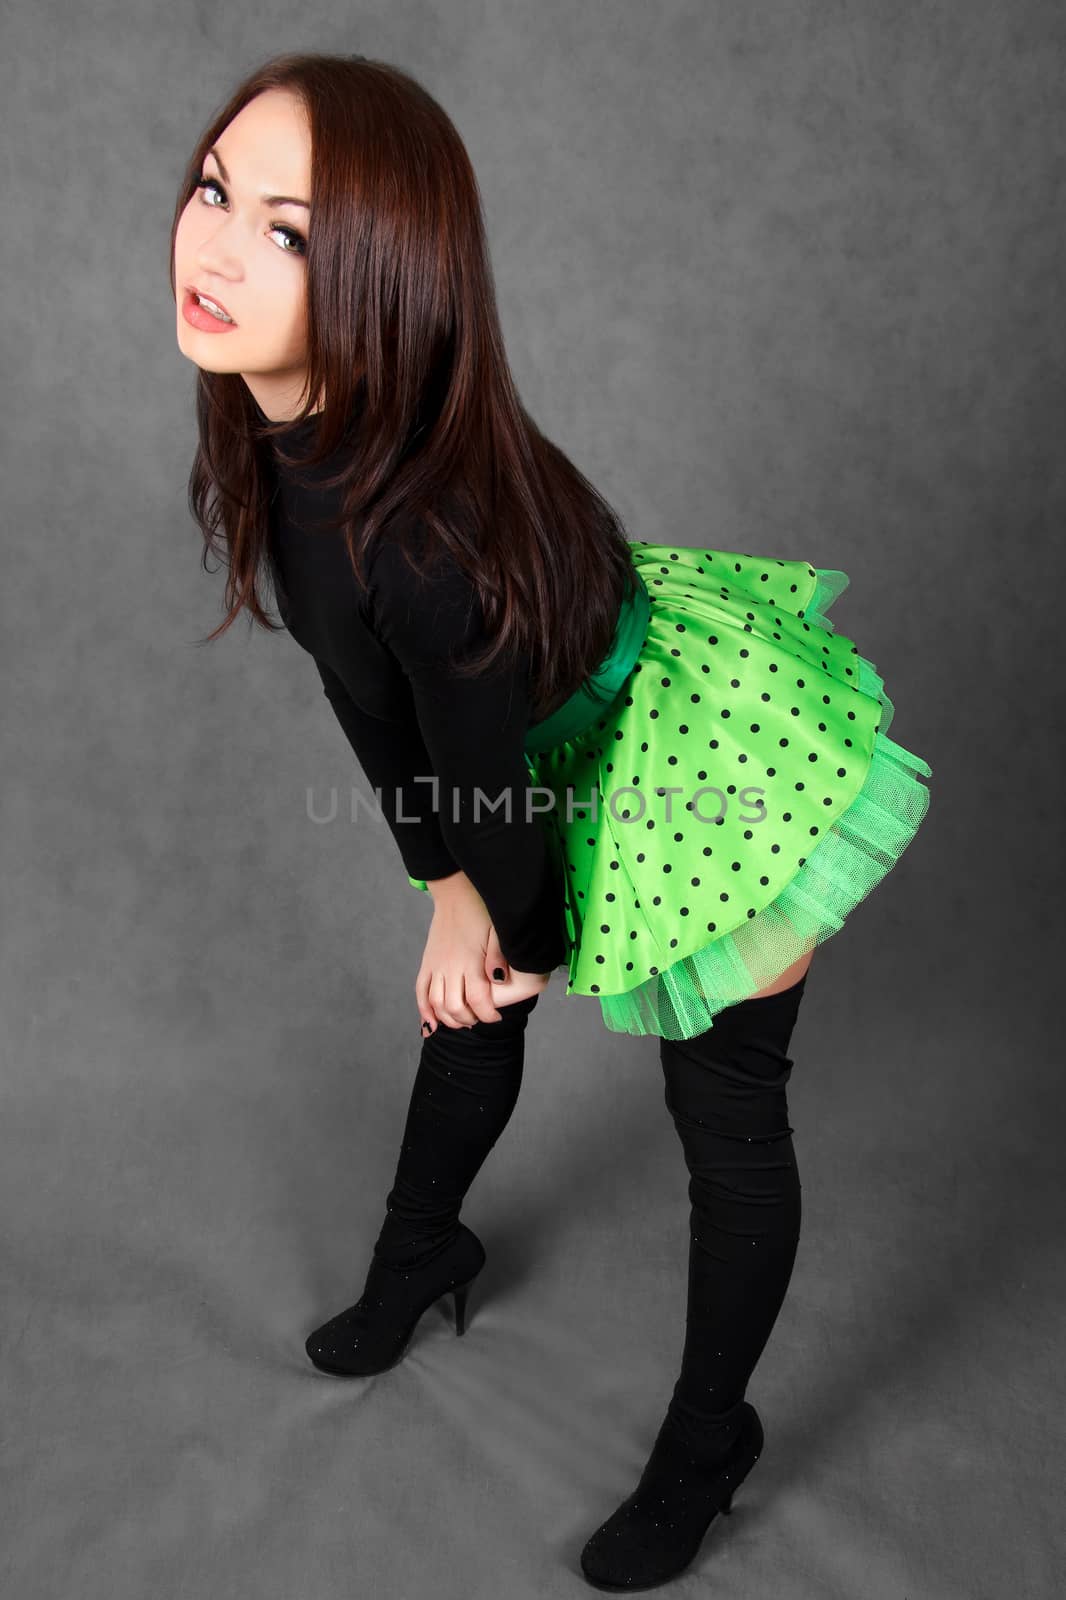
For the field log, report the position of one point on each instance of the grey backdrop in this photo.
(779, 277)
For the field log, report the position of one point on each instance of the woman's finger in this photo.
(426, 1015)
(519, 986)
(479, 999)
(496, 967)
(455, 1012)
(436, 1000)
(441, 994)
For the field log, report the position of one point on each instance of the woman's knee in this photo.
(733, 1077)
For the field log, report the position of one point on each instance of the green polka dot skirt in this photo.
(736, 799)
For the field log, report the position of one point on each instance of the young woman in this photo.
(656, 765)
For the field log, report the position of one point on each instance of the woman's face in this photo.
(248, 255)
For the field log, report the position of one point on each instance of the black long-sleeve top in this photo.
(382, 656)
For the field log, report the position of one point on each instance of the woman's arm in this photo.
(474, 732)
(394, 756)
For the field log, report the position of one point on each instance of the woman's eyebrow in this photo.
(267, 199)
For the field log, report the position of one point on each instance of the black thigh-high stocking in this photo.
(726, 1092)
(465, 1089)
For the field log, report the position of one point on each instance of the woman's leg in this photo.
(726, 1092)
(787, 979)
(465, 1089)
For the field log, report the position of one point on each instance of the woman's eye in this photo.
(297, 240)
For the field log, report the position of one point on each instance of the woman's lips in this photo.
(197, 317)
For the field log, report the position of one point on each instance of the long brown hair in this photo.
(403, 332)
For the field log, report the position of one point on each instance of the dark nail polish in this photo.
(497, 973)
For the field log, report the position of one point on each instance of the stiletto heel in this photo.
(459, 1294)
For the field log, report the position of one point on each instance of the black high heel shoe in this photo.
(372, 1335)
(657, 1532)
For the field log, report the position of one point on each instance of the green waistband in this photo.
(596, 693)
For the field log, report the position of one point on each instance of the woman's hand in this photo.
(456, 983)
